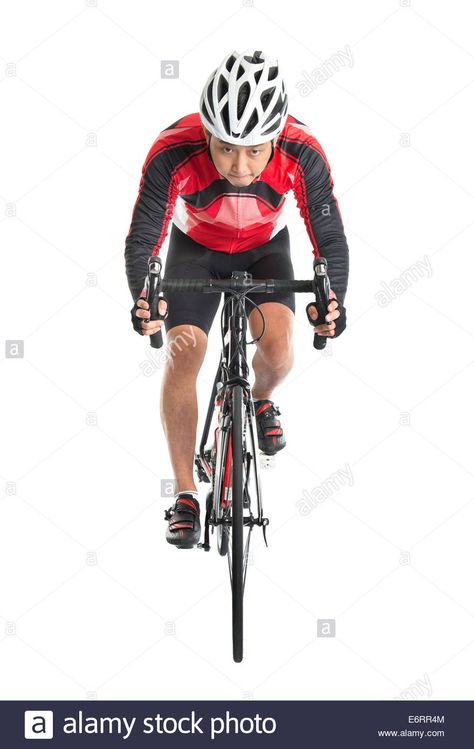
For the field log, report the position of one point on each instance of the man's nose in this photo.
(240, 163)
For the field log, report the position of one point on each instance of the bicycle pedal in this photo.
(267, 461)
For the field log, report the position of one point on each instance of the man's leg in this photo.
(273, 358)
(187, 345)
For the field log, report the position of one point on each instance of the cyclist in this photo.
(222, 175)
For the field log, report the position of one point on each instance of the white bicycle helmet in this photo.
(244, 101)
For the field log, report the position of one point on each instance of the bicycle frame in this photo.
(231, 371)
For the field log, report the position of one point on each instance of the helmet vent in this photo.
(209, 98)
(206, 112)
(222, 87)
(272, 73)
(243, 97)
(252, 122)
(255, 58)
(230, 62)
(225, 117)
(266, 96)
(277, 109)
(272, 129)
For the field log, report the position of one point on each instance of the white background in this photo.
(93, 602)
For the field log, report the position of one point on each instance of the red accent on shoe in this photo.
(189, 502)
(262, 408)
(279, 432)
(174, 526)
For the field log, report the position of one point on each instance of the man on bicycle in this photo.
(222, 175)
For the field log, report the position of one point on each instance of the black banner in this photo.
(255, 723)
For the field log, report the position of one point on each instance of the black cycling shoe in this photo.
(270, 434)
(184, 527)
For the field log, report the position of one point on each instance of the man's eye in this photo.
(227, 149)
(255, 151)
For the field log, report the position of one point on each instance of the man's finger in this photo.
(333, 315)
(143, 313)
(150, 331)
(162, 306)
(324, 329)
(313, 312)
(326, 325)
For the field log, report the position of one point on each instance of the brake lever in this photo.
(321, 288)
(152, 289)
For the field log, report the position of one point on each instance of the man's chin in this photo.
(240, 182)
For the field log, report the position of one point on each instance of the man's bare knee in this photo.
(275, 355)
(186, 348)
(276, 347)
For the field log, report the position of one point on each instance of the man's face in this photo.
(239, 164)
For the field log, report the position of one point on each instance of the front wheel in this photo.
(236, 541)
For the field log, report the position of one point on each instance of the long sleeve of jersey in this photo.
(151, 216)
(313, 189)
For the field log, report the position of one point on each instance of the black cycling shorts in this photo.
(189, 259)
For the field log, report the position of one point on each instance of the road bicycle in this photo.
(230, 463)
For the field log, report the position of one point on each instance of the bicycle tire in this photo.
(222, 540)
(237, 537)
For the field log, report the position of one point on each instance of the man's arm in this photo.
(151, 216)
(313, 189)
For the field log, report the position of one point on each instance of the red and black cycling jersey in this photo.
(180, 182)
